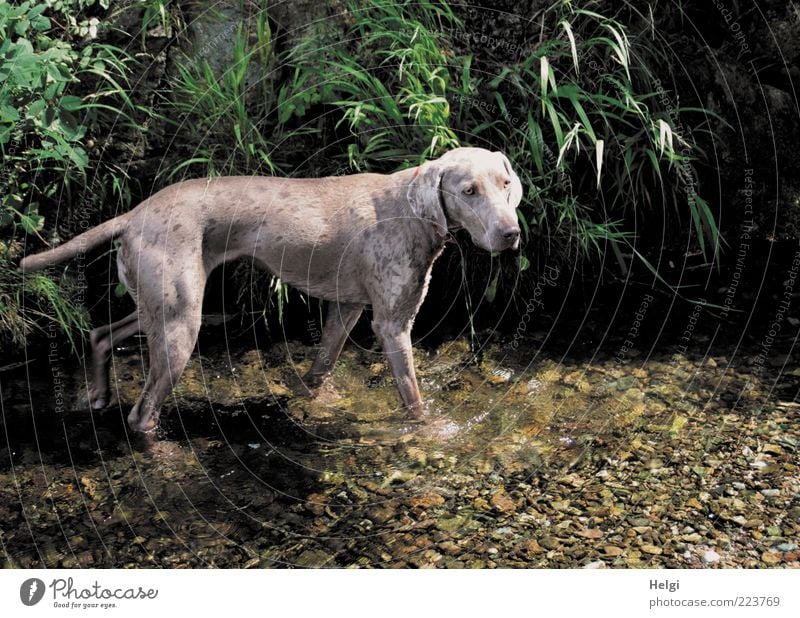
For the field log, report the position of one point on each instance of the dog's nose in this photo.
(511, 234)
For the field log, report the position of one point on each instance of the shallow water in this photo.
(532, 461)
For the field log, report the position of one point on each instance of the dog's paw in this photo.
(310, 385)
(92, 400)
(313, 381)
(98, 404)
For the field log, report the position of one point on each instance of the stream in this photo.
(560, 454)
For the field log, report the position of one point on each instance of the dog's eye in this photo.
(469, 191)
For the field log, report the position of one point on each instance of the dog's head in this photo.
(470, 188)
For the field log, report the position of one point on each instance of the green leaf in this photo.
(8, 113)
(70, 103)
(41, 23)
(32, 222)
(491, 291)
(598, 153)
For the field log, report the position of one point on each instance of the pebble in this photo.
(710, 557)
(380, 514)
(503, 503)
(534, 385)
(533, 547)
(425, 501)
(771, 557)
(501, 375)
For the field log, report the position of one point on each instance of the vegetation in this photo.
(64, 94)
(580, 113)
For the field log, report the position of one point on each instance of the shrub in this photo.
(63, 92)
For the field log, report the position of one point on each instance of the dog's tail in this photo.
(80, 244)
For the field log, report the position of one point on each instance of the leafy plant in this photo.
(229, 117)
(58, 100)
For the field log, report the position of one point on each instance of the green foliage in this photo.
(62, 92)
(38, 300)
(390, 79)
(225, 117)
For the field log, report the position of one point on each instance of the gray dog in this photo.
(351, 240)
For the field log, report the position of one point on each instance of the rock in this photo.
(503, 503)
(597, 564)
(316, 503)
(425, 501)
(786, 546)
(771, 557)
(313, 558)
(550, 376)
(533, 547)
(651, 549)
(377, 369)
(450, 524)
(481, 504)
(624, 383)
(613, 550)
(380, 514)
(710, 557)
(417, 455)
(450, 548)
(550, 542)
(634, 394)
(590, 533)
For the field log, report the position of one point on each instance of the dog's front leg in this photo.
(340, 321)
(395, 339)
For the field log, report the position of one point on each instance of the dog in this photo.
(363, 239)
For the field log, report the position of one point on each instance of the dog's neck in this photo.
(442, 236)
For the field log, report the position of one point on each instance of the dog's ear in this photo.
(425, 194)
(515, 197)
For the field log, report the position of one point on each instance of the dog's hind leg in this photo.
(102, 340)
(338, 324)
(170, 307)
